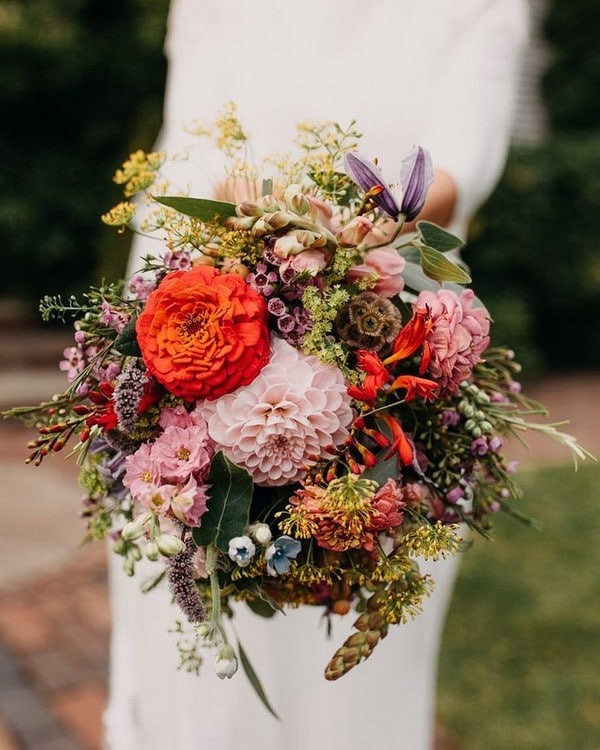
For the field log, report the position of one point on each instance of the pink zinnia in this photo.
(458, 337)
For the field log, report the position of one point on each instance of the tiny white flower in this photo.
(241, 550)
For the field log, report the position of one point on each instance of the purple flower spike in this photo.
(416, 176)
(366, 175)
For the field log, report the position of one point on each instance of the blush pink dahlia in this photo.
(458, 337)
(292, 414)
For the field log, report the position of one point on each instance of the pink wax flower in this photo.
(458, 337)
(386, 265)
(285, 420)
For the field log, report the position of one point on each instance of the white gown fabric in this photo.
(434, 72)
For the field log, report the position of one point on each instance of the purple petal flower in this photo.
(416, 175)
(369, 178)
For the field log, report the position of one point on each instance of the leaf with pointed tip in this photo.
(228, 507)
(438, 238)
(198, 208)
(126, 342)
(254, 681)
(439, 268)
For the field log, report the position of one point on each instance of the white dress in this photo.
(434, 72)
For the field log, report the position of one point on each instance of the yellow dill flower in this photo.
(348, 502)
(139, 171)
(432, 541)
(120, 215)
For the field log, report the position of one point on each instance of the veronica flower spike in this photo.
(366, 175)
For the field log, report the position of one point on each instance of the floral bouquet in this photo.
(295, 401)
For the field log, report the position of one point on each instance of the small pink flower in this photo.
(180, 451)
(385, 265)
(142, 477)
(309, 261)
(388, 502)
(354, 232)
(174, 416)
(188, 501)
(112, 317)
(458, 337)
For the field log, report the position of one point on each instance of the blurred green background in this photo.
(81, 85)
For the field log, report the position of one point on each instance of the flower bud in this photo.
(278, 220)
(169, 545)
(296, 200)
(354, 232)
(261, 533)
(240, 222)
(136, 528)
(226, 664)
(151, 550)
(249, 209)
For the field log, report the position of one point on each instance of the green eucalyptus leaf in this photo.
(126, 342)
(439, 268)
(262, 608)
(254, 681)
(438, 238)
(228, 506)
(198, 208)
(416, 281)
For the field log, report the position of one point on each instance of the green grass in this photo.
(520, 662)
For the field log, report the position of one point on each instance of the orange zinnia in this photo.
(203, 334)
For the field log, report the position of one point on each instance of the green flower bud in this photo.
(169, 545)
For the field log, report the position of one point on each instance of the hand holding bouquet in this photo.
(293, 402)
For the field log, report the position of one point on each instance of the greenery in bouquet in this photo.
(294, 401)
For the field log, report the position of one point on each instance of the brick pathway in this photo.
(54, 630)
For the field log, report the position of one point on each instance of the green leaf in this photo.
(438, 238)
(198, 208)
(383, 470)
(126, 342)
(415, 279)
(228, 507)
(254, 681)
(262, 608)
(438, 267)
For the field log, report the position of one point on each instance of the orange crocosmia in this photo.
(411, 337)
(203, 334)
(400, 443)
(415, 387)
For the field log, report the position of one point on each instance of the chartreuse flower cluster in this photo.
(270, 412)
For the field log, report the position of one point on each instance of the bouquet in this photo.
(294, 401)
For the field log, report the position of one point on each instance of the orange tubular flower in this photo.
(411, 337)
(415, 387)
(377, 376)
(203, 334)
(400, 444)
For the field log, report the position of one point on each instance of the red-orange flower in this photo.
(203, 333)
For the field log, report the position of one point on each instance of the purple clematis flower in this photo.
(416, 176)
(366, 175)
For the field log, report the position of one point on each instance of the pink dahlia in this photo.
(458, 337)
(293, 413)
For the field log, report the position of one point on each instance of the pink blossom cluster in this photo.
(458, 337)
(168, 476)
